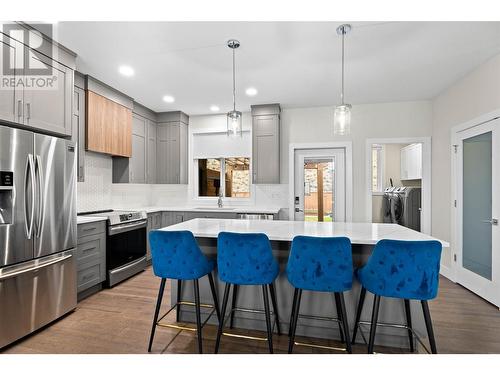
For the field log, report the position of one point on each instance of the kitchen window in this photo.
(377, 167)
(229, 177)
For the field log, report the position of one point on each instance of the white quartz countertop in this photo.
(191, 208)
(281, 230)
(89, 219)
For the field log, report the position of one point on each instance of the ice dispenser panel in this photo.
(6, 198)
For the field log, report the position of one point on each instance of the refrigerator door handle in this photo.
(13, 273)
(39, 185)
(29, 175)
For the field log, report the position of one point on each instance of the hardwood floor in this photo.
(118, 320)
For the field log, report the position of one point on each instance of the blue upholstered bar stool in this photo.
(320, 264)
(400, 269)
(176, 255)
(247, 259)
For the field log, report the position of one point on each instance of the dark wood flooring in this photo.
(118, 320)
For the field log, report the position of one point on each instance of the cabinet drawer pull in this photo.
(28, 111)
(89, 248)
(19, 109)
(88, 229)
(87, 277)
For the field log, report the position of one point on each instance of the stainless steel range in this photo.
(125, 243)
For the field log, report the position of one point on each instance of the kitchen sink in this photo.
(214, 208)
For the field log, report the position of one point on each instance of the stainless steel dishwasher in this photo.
(256, 216)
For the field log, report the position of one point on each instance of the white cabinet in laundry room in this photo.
(411, 162)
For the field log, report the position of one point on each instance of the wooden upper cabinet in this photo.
(109, 126)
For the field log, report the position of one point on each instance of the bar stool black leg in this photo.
(157, 311)
(359, 310)
(233, 305)
(222, 316)
(290, 324)
(295, 319)
(345, 323)
(214, 296)
(341, 328)
(408, 323)
(178, 308)
(275, 307)
(268, 319)
(198, 316)
(428, 324)
(373, 328)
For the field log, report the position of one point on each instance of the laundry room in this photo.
(396, 183)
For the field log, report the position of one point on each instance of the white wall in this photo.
(476, 94)
(402, 119)
(309, 125)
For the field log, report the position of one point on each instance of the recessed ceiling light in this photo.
(126, 70)
(168, 99)
(251, 91)
(214, 108)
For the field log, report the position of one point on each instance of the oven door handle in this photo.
(116, 229)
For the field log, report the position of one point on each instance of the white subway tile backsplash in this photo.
(95, 193)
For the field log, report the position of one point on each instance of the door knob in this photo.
(298, 210)
(492, 221)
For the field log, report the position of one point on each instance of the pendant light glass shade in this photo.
(342, 114)
(234, 123)
(342, 119)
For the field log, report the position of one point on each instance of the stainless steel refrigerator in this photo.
(37, 231)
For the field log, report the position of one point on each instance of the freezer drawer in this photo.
(34, 293)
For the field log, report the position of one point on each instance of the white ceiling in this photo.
(296, 64)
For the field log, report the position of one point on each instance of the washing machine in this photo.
(387, 204)
(409, 207)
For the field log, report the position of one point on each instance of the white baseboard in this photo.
(447, 272)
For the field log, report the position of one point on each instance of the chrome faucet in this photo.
(219, 201)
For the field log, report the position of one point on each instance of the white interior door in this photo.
(320, 189)
(478, 210)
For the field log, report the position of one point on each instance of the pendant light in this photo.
(234, 125)
(342, 114)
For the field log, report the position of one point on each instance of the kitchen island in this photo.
(363, 237)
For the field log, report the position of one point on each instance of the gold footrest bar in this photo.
(189, 303)
(319, 346)
(245, 336)
(400, 326)
(184, 328)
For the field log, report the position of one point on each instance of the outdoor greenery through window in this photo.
(229, 177)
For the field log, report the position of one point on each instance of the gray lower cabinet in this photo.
(48, 109)
(91, 255)
(172, 217)
(209, 215)
(266, 144)
(154, 222)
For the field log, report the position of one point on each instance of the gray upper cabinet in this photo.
(151, 152)
(133, 169)
(9, 97)
(138, 159)
(79, 129)
(172, 148)
(49, 108)
(266, 144)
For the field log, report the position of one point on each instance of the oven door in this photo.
(125, 250)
